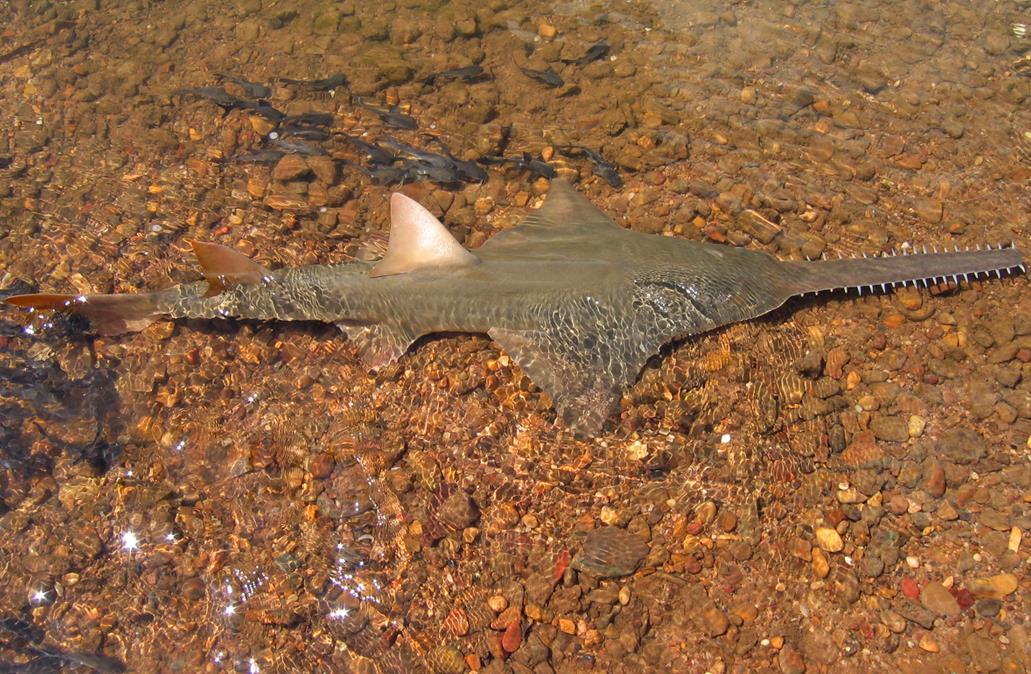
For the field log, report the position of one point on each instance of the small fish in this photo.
(470, 170)
(447, 174)
(420, 164)
(265, 156)
(381, 175)
(547, 77)
(302, 132)
(602, 168)
(472, 73)
(227, 101)
(446, 168)
(265, 109)
(536, 167)
(596, 52)
(421, 156)
(249, 88)
(297, 147)
(99, 663)
(51, 656)
(216, 95)
(310, 119)
(374, 154)
(392, 117)
(326, 84)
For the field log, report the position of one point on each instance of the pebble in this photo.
(916, 425)
(747, 612)
(934, 479)
(915, 613)
(829, 539)
(726, 521)
(893, 621)
(512, 637)
(323, 167)
(705, 513)
(790, 661)
(610, 552)
(497, 603)
(835, 362)
(546, 29)
(947, 512)
(800, 548)
(994, 587)
(928, 644)
(890, 428)
(821, 567)
(928, 210)
(290, 167)
(459, 510)
(505, 618)
(714, 621)
(322, 465)
(193, 588)
(849, 496)
(988, 608)
(934, 597)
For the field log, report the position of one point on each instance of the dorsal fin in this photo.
(566, 215)
(418, 241)
(226, 268)
(564, 207)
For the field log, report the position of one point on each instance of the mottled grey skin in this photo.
(576, 301)
(579, 303)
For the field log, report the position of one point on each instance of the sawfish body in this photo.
(578, 302)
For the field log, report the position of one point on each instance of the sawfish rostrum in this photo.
(577, 302)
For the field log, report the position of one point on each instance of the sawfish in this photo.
(578, 302)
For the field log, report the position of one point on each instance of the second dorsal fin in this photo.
(226, 268)
(418, 241)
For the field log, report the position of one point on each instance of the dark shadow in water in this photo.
(37, 399)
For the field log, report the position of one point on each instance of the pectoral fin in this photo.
(379, 344)
(582, 384)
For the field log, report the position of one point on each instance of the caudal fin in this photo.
(881, 273)
(108, 314)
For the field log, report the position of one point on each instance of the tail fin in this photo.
(108, 314)
(891, 270)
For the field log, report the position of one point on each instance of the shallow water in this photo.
(220, 496)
